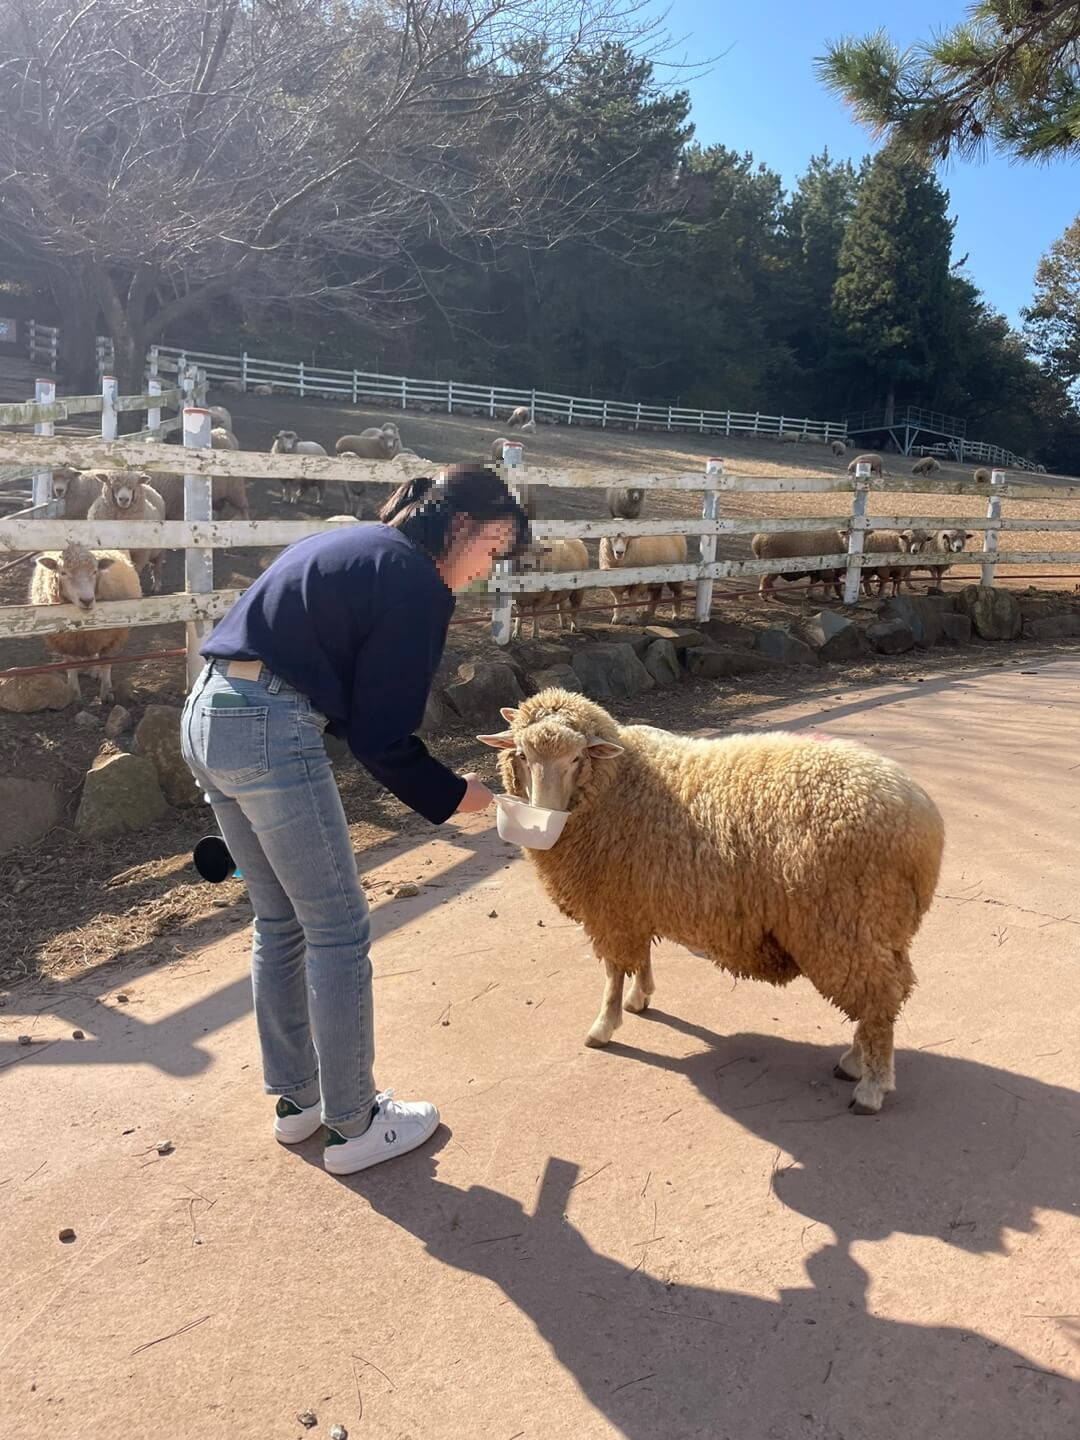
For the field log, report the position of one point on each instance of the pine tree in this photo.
(1053, 319)
(889, 300)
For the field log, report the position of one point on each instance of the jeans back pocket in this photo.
(234, 741)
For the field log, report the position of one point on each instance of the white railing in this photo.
(400, 392)
(42, 342)
(45, 411)
(198, 534)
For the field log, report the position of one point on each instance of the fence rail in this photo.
(198, 534)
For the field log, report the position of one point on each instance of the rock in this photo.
(407, 891)
(1052, 627)
(727, 632)
(557, 677)
(23, 694)
(662, 662)
(77, 1035)
(611, 672)
(157, 736)
(994, 613)
(714, 662)
(890, 637)
(920, 613)
(308, 1419)
(25, 1040)
(28, 810)
(86, 721)
(118, 721)
(121, 793)
(483, 688)
(779, 644)
(834, 637)
(956, 629)
(67, 1235)
(439, 715)
(164, 1147)
(338, 1432)
(683, 640)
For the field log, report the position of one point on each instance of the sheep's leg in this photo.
(610, 1017)
(890, 980)
(105, 687)
(874, 1041)
(74, 693)
(642, 988)
(515, 628)
(676, 599)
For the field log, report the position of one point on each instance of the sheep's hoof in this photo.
(597, 1039)
(636, 1003)
(841, 1073)
(857, 1107)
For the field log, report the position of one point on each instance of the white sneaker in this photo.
(293, 1124)
(396, 1129)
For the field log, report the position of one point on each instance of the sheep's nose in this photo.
(86, 604)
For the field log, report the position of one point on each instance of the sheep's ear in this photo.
(509, 714)
(503, 741)
(104, 561)
(598, 749)
(49, 562)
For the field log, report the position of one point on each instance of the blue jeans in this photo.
(256, 748)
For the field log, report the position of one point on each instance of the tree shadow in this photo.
(671, 1362)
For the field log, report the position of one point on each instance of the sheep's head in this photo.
(954, 540)
(123, 486)
(553, 742)
(285, 440)
(619, 545)
(77, 570)
(62, 480)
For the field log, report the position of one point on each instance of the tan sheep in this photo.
(788, 437)
(793, 544)
(81, 577)
(874, 461)
(839, 448)
(75, 491)
(544, 558)
(884, 542)
(262, 390)
(774, 855)
(230, 499)
(222, 438)
(520, 415)
(128, 495)
(926, 466)
(934, 543)
(625, 502)
(621, 552)
(287, 442)
(221, 417)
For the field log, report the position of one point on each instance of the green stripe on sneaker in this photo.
(286, 1107)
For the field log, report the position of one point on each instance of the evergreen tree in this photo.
(889, 300)
(1053, 319)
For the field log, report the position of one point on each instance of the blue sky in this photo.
(762, 95)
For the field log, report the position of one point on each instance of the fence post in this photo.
(198, 505)
(637, 419)
(153, 413)
(669, 417)
(300, 373)
(404, 393)
(603, 417)
(449, 397)
(44, 394)
(108, 407)
(570, 412)
(990, 537)
(199, 390)
(54, 347)
(491, 403)
(31, 343)
(503, 610)
(707, 544)
(243, 371)
(355, 386)
(532, 408)
(856, 534)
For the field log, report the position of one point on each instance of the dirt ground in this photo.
(685, 1235)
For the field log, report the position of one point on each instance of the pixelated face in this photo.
(474, 551)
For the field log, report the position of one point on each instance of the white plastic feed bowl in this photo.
(528, 825)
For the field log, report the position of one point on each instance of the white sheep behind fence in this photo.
(544, 558)
(81, 577)
(619, 552)
(288, 442)
(128, 495)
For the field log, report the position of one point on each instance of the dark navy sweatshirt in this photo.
(356, 620)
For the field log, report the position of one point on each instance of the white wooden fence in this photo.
(400, 392)
(198, 534)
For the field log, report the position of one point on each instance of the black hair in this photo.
(424, 509)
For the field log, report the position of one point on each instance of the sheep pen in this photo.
(776, 855)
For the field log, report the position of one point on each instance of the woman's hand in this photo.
(476, 797)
